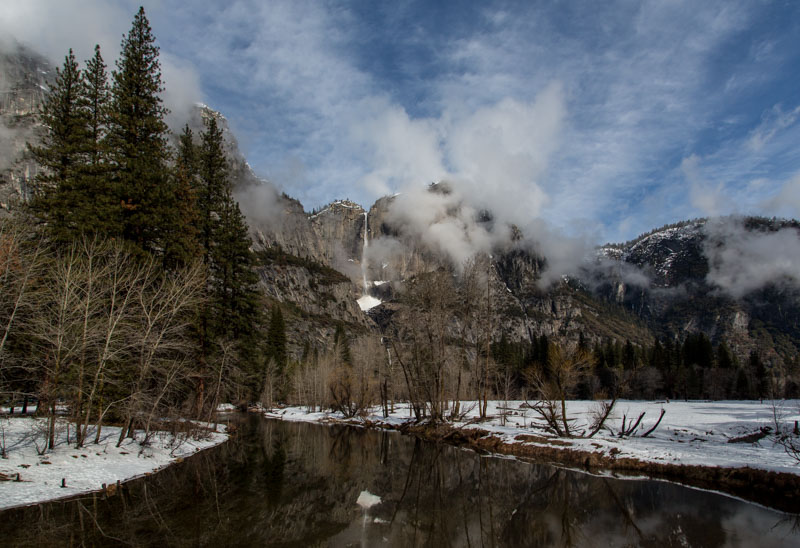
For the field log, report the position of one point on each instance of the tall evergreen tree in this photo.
(183, 244)
(61, 153)
(214, 184)
(697, 350)
(759, 371)
(137, 137)
(234, 280)
(628, 356)
(96, 211)
(276, 339)
(724, 357)
(341, 345)
(225, 246)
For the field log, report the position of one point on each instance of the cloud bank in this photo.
(742, 260)
(491, 162)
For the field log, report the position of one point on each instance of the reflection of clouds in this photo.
(749, 523)
(671, 514)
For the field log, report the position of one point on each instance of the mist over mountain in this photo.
(733, 278)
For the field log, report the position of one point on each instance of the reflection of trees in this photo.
(296, 485)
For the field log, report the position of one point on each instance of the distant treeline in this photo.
(692, 369)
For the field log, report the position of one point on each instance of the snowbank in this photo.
(84, 470)
(691, 433)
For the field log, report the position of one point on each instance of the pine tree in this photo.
(742, 385)
(137, 137)
(724, 357)
(276, 339)
(628, 356)
(341, 344)
(234, 281)
(61, 153)
(183, 244)
(760, 376)
(225, 244)
(214, 184)
(96, 211)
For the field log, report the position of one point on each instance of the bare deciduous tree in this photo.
(555, 384)
(56, 328)
(166, 303)
(354, 386)
(423, 347)
(21, 261)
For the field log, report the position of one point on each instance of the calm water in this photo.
(287, 484)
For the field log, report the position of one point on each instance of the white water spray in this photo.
(366, 301)
(364, 255)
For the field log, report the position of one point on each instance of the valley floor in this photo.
(692, 442)
(26, 477)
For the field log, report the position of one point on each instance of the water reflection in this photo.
(285, 484)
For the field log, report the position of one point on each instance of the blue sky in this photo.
(602, 118)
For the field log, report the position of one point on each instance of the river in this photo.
(292, 484)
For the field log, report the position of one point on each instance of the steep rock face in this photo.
(302, 287)
(672, 256)
(521, 309)
(340, 228)
(25, 79)
(314, 297)
(290, 230)
(565, 311)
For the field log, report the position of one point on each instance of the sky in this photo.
(601, 119)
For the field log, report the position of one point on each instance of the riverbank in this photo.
(30, 476)
(701, 444)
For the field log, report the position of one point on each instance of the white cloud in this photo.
(710, 199)
(773, 121)
(496, 157)
(181, 89)
(741, 261)
(502, 152)
(400, 151)
(51, 28)
(787, 201)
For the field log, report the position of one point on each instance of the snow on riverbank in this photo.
(691, 433)
(85, 469)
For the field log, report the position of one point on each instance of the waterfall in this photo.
(366, 301)
(364, 255)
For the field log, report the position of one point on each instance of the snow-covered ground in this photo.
(85, 469)
(691, 433)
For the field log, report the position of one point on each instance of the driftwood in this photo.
(601, 420)
(633, 425)
(754, 437)
(663, 412)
